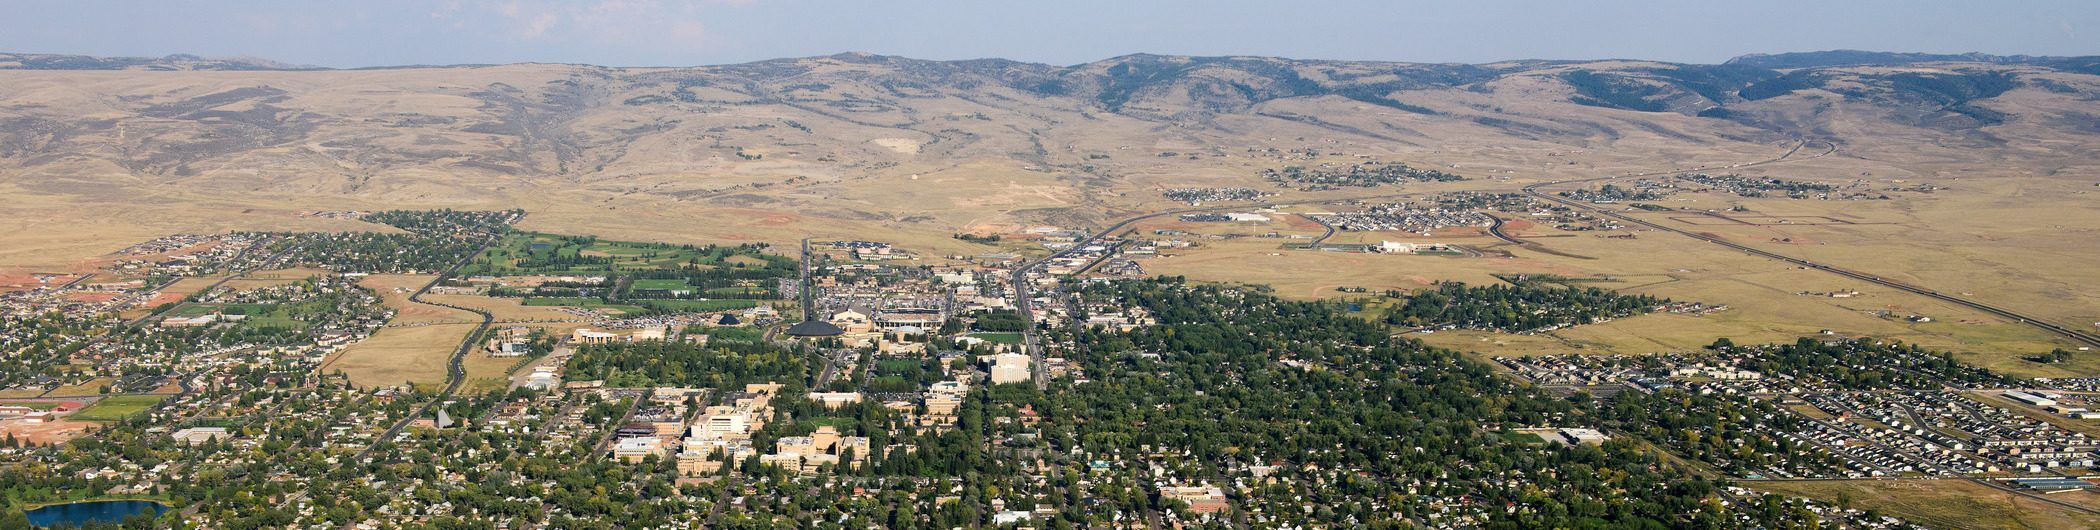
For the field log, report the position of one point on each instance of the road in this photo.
(1323, 224)
(809, 311)
(2082, 337)
(265, 263)
(1023, 296)
(455, 369)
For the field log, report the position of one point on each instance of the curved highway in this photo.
(455, 369)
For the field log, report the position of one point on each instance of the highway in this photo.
(2074, 335)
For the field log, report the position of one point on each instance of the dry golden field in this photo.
(505, 310)
(394, 289)
(399, 355)
(1948, 503)
(623, 154)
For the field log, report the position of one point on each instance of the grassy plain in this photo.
(504, 309)
(394, 290)
(396, 355)
(1948, 503)
(2013, 227)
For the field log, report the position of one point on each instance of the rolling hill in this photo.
(190, 143)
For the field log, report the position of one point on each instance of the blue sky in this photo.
(692, 32)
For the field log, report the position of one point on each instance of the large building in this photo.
(1009, 368)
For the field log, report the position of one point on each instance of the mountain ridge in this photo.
(1836, 57)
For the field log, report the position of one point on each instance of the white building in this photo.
(1009, 368)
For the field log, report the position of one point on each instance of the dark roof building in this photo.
(814, 328)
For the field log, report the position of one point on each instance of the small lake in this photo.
(82, 513)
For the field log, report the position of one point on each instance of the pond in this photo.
(82, 513)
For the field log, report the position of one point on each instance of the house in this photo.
(1010, 517)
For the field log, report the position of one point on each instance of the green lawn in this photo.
(273, 321)
(542, 253)
(591, 303)
(38, 405)
(1522, 437)
(738, 291)
(115, 408)
(699, 305)
(671, 284)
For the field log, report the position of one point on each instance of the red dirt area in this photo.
(1515, 225)
(21, 281)
(89, 297)
(163, 298)
(46, 433)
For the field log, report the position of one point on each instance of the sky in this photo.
(361, 33)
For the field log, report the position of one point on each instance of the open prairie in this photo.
(1993, 204)
(394, 290)
(1948, 503)
(400, 355)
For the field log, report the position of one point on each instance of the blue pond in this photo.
(82, 513)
